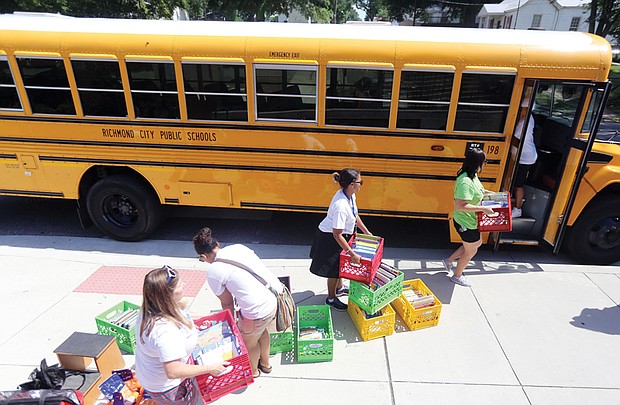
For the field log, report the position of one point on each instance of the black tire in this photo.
(595, 236)
(124, 208)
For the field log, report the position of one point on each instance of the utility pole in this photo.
(335, 11)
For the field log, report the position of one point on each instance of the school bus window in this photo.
(46, 85)
(484, 100)
(215, 91)
(424, 99)
(100, 88)
(595, 103)
(9, 99)
(286, 93)
(153, 89)
(358, 97)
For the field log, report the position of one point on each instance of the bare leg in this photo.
(456, 254)
(251, 342)
(519, 193)
(332, 284)
(469, 251)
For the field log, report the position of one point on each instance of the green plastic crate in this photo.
(281, 342)
(372, 301)
(126, 338)
(311, 351)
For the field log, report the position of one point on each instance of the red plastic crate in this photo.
(363, 272)
(212, 387)
(502, 222)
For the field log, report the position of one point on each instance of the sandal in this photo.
(264, 369)
(257, 374)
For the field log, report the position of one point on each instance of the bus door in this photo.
(566, 117)
(583, 114)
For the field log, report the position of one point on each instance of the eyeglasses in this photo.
(171, 273)
(361, 182)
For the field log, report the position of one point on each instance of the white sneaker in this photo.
(460, 281)
(516, 212)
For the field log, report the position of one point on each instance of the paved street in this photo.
(533, 329)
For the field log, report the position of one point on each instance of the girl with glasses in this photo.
(166, 338)
(333, 234)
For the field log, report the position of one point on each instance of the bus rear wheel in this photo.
(124, 208)
(595, 237)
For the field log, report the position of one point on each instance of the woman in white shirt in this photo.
(333, 234)
(166, 338)
(230, 278)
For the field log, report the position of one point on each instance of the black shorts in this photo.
(521, 175)
(467, 235)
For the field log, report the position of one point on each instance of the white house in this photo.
(550, 15)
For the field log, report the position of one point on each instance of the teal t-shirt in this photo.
(470, 190)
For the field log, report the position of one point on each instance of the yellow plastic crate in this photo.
(421, 317)
(379, 326)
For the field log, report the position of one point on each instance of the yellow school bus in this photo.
(127, 116)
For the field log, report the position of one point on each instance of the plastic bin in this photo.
(372, 301)
(281, 342)
(421, 317)
(363, 272)
(502, 221)
(372, 328)
(311, 351)
(212, 387)
(125, 337)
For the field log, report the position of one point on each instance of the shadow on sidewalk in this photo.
(599, 320)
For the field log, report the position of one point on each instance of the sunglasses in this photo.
(171, 273)
(361, 182)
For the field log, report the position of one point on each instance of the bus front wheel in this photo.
(595, 236)
(124, 208)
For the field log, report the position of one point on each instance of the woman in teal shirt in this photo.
(468, 193)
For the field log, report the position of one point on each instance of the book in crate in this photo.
(375, 325)
(501, 221)
(370, 248)
(222, 332)
(417, 306)
(119, 321)
(314, 337)
(385, 287)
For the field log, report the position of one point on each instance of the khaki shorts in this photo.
(254, 327)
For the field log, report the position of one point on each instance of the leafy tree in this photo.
(607, 14)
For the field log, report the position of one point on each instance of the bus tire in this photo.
(124, 208)
(595, 236)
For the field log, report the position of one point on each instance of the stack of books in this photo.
(384, 275)
(216, 343)
(418, 300)
(366, 245)
(311, 333)
(126, 319)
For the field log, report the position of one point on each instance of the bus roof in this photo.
(58, 23)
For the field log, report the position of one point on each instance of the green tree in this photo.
(605, 18)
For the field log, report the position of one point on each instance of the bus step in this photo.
(514, 241)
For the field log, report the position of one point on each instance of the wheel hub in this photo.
(606, 235)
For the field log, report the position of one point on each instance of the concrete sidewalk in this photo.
(531, 330)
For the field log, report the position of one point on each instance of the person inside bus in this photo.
(333, 234)
(166, 338)
(526, 162)
(231, 277)
(468, 193)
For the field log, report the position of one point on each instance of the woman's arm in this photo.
(177, 369)
(337, 233)
(463, 205)
(227, 301)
